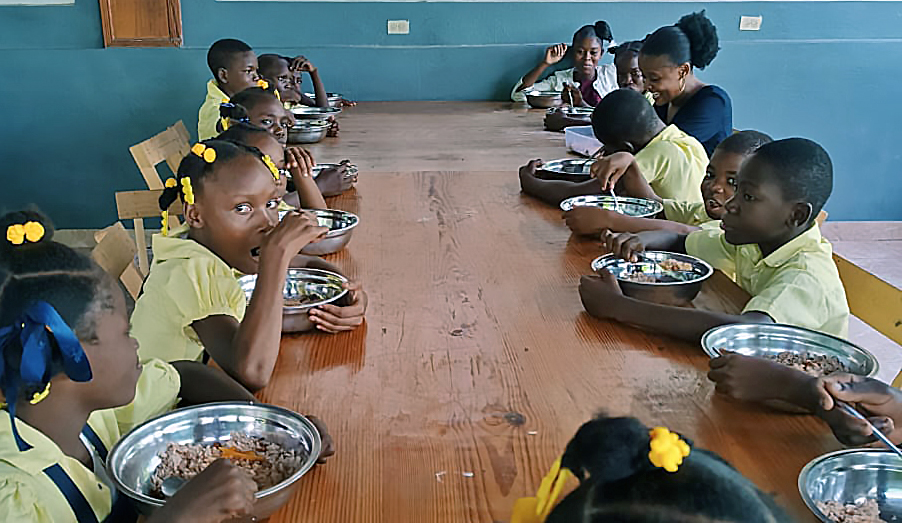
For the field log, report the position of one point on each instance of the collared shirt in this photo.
(674, 165)
(605, 82)
(208, 114)
(798, 284)
(187, 283)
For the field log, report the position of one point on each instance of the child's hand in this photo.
(600, 294)
(570, 94)
(556, 120)
(295, 231)
(348, 103)
(335, 180)
(611, 168)
(588, 220)
(741, 377)
(333, 129)
(881, 403)
(299, 162)
(328, 444)
(220, 492)
(555, 53)
(334, 319)
(625, 245)
(301, 64)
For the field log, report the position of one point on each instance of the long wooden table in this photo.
(477, 363)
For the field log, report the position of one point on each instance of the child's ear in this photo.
(685, 69)
(802, 213)
(222, 75)
(193, 217)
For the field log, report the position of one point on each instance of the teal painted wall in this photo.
(825, 70)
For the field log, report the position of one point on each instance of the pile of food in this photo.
(816, 365)
(865, 512)
(269, 463)
(664, 271)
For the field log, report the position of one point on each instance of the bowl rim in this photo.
(306, 109)
(328, 95)
(658, 206)
(712, 352)
(316, 272)
(541, 93)
(336, 232)
(600, 263)
(306, 125)
(806, 470)
(587, 161)
(316, 448)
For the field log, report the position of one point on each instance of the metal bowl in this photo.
(335, 99)
(340, 223)
(302, 112)
(320, 167)
(666, 289)
(307, 131)
(637, 207)
(570, 167)
(135, 457)
(854, 476)
(583, 113)
(543, 99)
(768, 339)
(326, 286)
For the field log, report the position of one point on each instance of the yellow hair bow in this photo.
(40, 396)
(272, 166)
(170, 183)
(536, 509)
(207, 153)
(667, 449)
(164, 230)
(263, 84)
(187, 190)
(18, 233)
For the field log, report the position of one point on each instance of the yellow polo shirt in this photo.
(674, 164)
(689, 213)
(798, 284)
(187, 282)
(209, 112)
(27, 495)
(157, 392)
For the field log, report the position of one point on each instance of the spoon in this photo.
(171, 485)
(616, 201)
(880, 435)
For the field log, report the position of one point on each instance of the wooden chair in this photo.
(138, 205)
(115, 253)
(170, 146)
(871, 299)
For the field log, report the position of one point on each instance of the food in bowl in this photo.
(864, 512)
(664, 271)
(267, 462)
(815, 365)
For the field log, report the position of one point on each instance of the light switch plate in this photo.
(750, 23)
(398, 27)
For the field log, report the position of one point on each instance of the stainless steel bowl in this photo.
(638, 207)
(320, 167)
(542, 99)
(325, 286)
(853, 476)
(307, 131)
(340, 223)
(135, 457)
(763, 339)
(666, 289)
(571, 167)
(302, 112)
(335, 99)
(583, 113)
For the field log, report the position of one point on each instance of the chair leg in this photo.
(141, 242)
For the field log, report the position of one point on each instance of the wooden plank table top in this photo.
(423, 136)
(476, 363)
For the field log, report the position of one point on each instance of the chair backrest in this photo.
(821, 218)
(871, 299)
(138, 205)
(115, 253)
(170, 146)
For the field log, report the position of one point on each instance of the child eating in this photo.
(681, 217)
(768, 239)
(234, 67)
(634, 139)
(283, 73)
(192, 306)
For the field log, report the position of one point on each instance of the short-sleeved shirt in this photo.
(187, 283)
(605, 82)
(674, 165)
(798, 284)
(707, 116)
(690, 213)
(28, 495)
(208, 114)
(157, 392)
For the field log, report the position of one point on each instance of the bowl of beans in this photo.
(814, 353)
(341, 225)
(661, 277)
(276, 446)
(854, 486)
(636, 207)
(304, 290)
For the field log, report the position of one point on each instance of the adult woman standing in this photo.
(668, 59)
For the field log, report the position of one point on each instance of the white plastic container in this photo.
(581, 140)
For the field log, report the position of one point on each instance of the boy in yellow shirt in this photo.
(234, 67)
(635, 139)
(769, 240)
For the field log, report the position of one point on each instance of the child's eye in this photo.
(272, 204)
(266, 122)
(748, 197)
(732, 182)
(243, 208)
(709, 176)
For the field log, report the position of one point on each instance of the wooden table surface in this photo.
(476, 363)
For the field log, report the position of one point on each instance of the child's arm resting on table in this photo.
(247, 351)
(337, 317)
(553, 192)
(591, 221)
(205, 384)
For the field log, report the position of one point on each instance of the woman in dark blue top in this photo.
(668, 59)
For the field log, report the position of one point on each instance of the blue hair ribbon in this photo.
(34, 329)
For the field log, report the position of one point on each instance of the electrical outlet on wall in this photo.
(750, 23)
(398, 27)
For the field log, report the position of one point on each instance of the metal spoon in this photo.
(616, 201)
(171, 485)
(880, 435)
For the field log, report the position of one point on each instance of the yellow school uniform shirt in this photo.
(689, 213)
(157, 392)
(27, 495)
(674, 164)
(187, 282)
(209, 112)
(798, 284)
